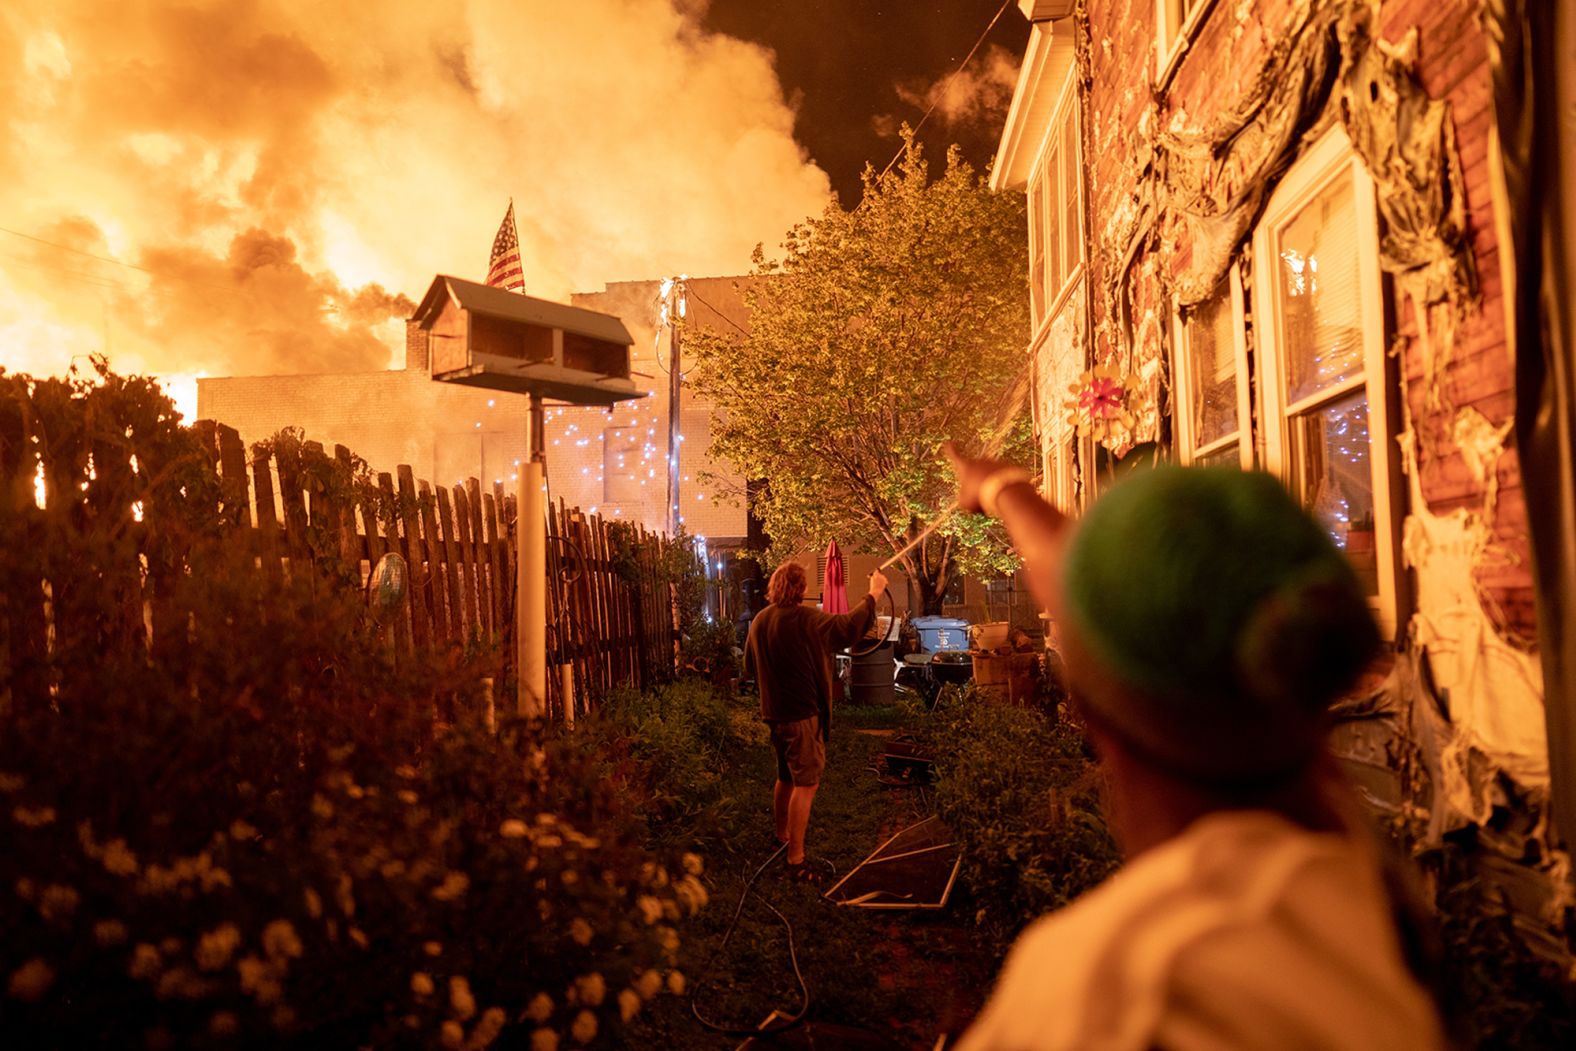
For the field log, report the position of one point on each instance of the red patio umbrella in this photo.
(834, 592)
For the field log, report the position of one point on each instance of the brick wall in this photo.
(1224, 56)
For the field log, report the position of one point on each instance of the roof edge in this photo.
(1046, 61)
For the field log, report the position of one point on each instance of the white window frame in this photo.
(1172, 33)
(1329, 158)
(1188, 448)
(1069, 245)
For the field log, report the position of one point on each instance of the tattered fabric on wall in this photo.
(1214, 181)
(1329, 63)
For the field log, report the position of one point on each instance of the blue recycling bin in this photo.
(942, 633)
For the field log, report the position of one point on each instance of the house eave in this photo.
(1046, 61)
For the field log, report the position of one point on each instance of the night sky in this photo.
(841, 62)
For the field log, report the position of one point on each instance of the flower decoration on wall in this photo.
(1105, 403)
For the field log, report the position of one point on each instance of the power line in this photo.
(77, 251)
(697, 296)
(129, 266)
(961, 66)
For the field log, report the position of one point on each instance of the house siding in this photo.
(1454, 371)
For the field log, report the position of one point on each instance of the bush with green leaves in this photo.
(676, 738)
(263, 825)
(1019, 790)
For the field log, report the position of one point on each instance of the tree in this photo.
(881, 333)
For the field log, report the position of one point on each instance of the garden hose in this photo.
(793, 956)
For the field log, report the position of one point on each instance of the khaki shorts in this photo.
(800, 754)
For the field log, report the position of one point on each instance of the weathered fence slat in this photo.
(451, 563)
(267, 521)
(343, 510)
(462, 522)
(415, 554)
(437, 582)
(236, 509)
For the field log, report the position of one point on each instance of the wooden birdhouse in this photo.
(486, 337)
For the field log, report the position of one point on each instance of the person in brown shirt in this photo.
(789, 654)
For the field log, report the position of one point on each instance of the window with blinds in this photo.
(1321, 353)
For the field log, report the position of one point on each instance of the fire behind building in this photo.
(612, 462)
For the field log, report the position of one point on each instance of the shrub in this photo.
(1019, 791)
(254, 828)
(677, 738)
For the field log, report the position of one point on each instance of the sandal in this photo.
(811, 870)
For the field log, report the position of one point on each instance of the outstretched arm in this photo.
(845, 629)
(1038, 530)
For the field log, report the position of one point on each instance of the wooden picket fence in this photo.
(289, 506)
(610, 610)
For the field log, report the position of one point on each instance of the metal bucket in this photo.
(873, 675)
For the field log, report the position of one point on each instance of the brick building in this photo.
(612, 462)
(1279, 229)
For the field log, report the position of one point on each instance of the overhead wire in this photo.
(961, 66)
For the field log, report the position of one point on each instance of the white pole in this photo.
(531, 575)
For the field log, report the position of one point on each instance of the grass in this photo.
(907, 976)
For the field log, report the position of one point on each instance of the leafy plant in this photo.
(882, 332)
(1020, 792)
(677, 738)
(232, 813)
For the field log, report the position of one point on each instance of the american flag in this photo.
(504, 271)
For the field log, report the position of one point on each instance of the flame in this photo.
(286, 177)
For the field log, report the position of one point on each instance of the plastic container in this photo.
(942, 633)
(989, 636)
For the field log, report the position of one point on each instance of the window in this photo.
(1056, 249)
(1175, 21)
(1322, 361)
(1212, 411)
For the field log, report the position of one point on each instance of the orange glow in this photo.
(194, 186)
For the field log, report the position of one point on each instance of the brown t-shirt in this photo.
(789, 654)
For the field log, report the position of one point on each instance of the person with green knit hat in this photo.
(1206, 623)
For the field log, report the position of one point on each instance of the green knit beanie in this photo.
(1224, 611)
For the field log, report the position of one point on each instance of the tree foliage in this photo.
(882, 332)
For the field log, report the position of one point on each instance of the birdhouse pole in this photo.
(531, 574)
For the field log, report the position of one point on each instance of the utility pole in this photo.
(675, 311)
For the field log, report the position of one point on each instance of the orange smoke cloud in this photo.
(256, 186)
(978, 95)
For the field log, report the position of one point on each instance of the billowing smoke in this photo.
(254, 186)
(977, 97)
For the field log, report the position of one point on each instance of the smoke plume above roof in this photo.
(256, 186)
